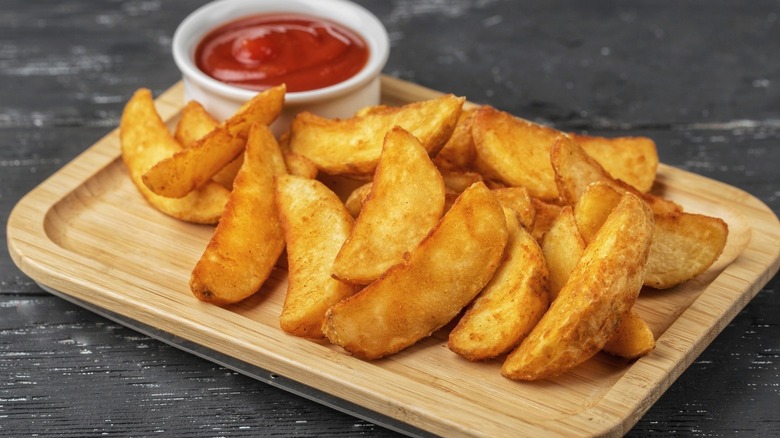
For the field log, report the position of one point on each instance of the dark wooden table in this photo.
(702, 78)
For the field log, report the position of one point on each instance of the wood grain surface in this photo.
(700, 78)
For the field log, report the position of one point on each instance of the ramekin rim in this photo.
(377, 39)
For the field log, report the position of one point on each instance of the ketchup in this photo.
(262, 51)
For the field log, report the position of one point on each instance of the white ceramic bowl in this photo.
(339, 100)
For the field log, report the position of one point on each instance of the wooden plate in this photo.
(87, 233)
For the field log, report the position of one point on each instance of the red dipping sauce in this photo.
(263, 51)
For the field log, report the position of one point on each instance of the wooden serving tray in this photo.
(87, 234)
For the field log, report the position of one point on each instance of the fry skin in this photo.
(441, 276)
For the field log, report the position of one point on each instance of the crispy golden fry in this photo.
(188, 169)
(593, 208)
(544, 216)
(441, 276)
(194, 124)
(352, 146)
(602, 288)
(145, 141)
(315, 225)
(563, 247)
(575, 170)
(248, 239)
(633, 160)
(633, 338)
(459, 153)
(466, 207)
(406, 201)
(510, 305)
(515, 151)
(685, 245)
(518, 199)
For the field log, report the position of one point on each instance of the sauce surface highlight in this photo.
(261, 51)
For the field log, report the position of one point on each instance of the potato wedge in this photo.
(248, 240)
(352, 146)
(685, 245)
(633, 338)
(406, 201)
(515, 151)
(593, 208)
(145, 140)
(315, 225)
(510, 305)
(194, 124)
(181, 173)
(562, 247)
(600, 291)
(575, 170)
(459, 153)
(633, 160)
(441, 276)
